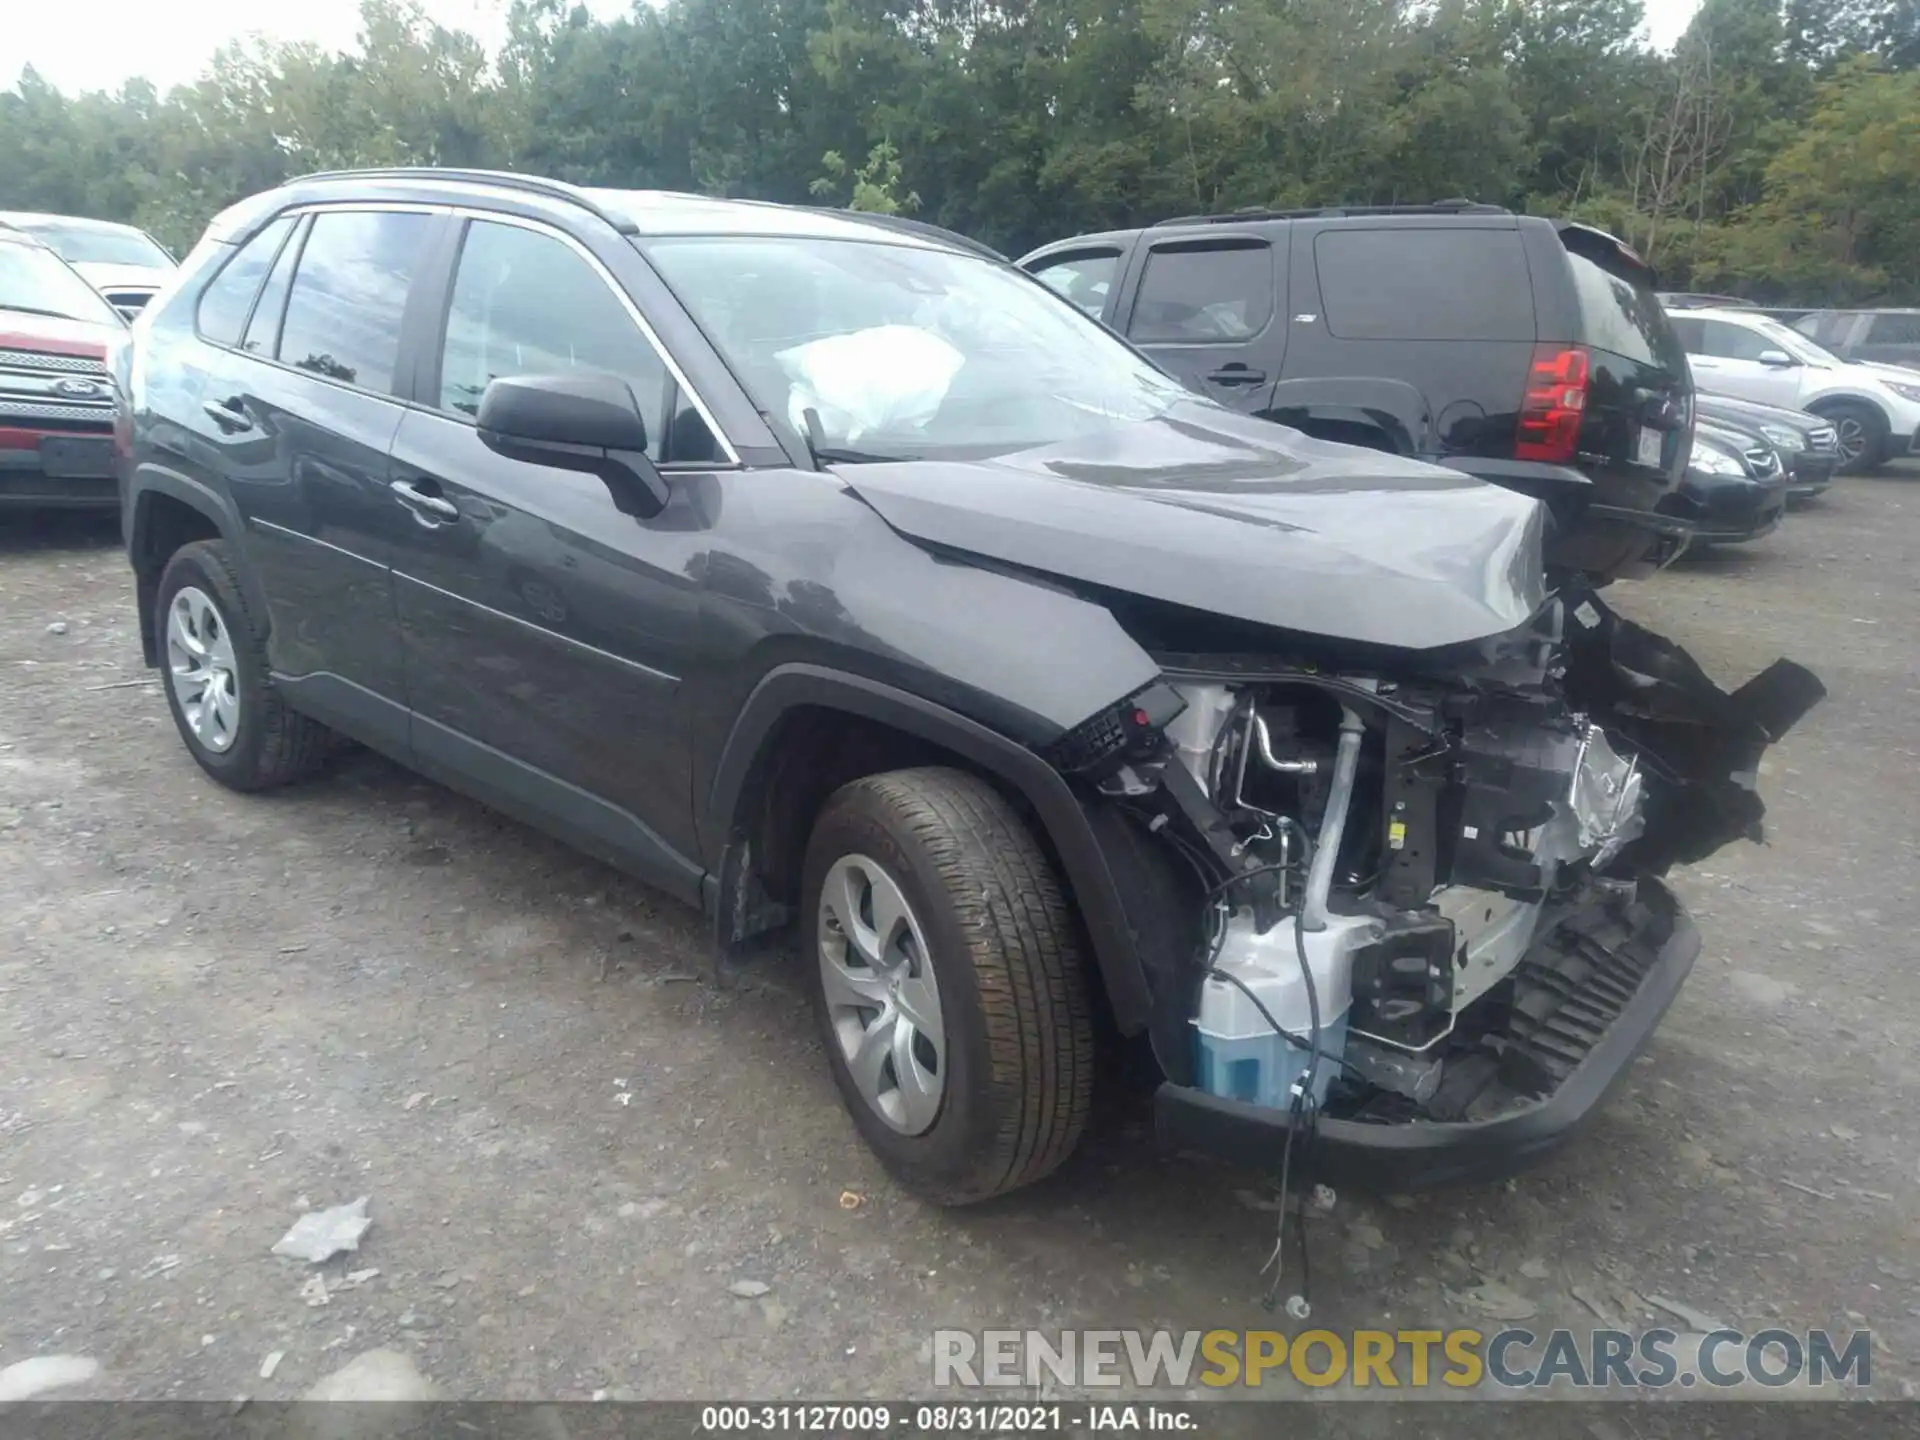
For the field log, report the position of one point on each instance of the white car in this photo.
(123, 262)
(1875, 409)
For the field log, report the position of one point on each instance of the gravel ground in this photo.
(218, 1011)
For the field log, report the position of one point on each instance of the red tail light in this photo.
(1555, 403)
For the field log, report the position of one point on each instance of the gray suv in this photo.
(1891, 337)
(838, 578)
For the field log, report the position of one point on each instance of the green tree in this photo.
(1019, 121)
(875, 186)
(1840, 218)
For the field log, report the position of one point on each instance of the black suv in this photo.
(828, 572)
(1529, 352)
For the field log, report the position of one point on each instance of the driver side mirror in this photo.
(585, 420)
(1778, 359)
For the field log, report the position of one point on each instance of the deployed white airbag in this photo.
(888, 378)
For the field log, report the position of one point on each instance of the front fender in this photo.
(1089, 877)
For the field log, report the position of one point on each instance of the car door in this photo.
(305, 412)
(545, 630)
(1726, 359)
(1211, 311)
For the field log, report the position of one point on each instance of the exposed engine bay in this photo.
(1416, 893)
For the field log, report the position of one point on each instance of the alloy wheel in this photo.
(883, 1001)
(1851, 436)
(201, 668)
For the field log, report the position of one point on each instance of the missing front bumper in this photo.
(1588, 997)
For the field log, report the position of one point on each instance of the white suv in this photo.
(1874, 408)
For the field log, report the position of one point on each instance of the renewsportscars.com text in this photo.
(1511, 1359)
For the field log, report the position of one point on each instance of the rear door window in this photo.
(1086, 279)
(349, 293)
(1204, 294)
(1457, 282)
(1619, 311)
(226, 303)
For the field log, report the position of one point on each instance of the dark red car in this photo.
(56, 401)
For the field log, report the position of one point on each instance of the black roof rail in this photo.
(1334, 212)
(907, 225)
(504, 179)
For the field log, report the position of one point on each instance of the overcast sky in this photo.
(96, 47)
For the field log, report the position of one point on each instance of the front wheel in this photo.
(947, 977)
(1861, 431)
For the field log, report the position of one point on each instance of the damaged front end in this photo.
(1419, 902)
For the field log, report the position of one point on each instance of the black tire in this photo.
(272, 745)
(1006, 956)
(1870, 425)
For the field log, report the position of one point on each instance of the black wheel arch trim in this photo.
(1096, 895)
(149, 481)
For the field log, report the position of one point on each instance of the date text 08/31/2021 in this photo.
(942, 1419)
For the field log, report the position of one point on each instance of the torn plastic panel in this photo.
(1699, 744)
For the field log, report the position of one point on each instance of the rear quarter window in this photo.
(1457, 282)
(1619, 309)
(228, 299)
(1894, 330)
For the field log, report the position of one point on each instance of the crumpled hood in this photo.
(1242, 518)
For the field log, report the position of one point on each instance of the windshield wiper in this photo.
(838, 455)
(824, 454)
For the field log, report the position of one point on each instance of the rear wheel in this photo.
(947, 978)
(1862, 433)
(213, 651)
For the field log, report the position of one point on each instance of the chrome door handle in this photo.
(229, 415)
(416, 499)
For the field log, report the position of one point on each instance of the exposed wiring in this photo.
(1305, 859)
(1304, 1111)
(1249, 873)
(1276, 1258)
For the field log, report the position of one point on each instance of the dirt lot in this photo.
(217, 1011)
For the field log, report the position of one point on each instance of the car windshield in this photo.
(897, 351)
(91, 245)
(34, 280)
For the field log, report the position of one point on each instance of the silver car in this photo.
(122, 262)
